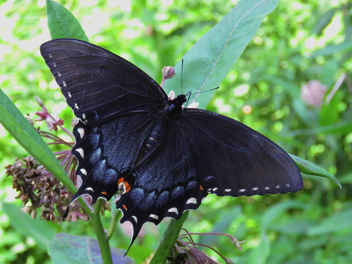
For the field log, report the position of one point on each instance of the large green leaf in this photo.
(61, 22)
(41, 231)
(209, 60)
(68, 249)
(25, 134)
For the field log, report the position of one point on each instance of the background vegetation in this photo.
(299, 42)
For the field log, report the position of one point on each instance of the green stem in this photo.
(100, 233)
(170, 236)
(115, 217)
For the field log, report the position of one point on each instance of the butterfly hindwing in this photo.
(98, 85)
(166, 185)
(232, 159)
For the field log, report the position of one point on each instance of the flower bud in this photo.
(168, 72)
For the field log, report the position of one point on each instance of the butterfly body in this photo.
(165, 157)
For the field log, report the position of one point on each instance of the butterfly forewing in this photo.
(98, 85)
(232, 159)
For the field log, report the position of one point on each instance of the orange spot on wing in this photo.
(120, 180)
(201, 187)
(127, 187)
(105, 193)
(124, 206)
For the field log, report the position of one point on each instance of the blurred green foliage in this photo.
(299, 42)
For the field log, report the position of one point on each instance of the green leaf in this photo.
(336, 129)
(68, 249)
(312, 242)
(332, 49)
(309, 168)
(329, 113)
(293, 226)
(169, 240)
(209, 60)
(289, 87)
(334, 223)
(260, 254)
(61, 22)
(41, 231)
(25, 134)
(305, 115)
(323, 21)
(276, 211)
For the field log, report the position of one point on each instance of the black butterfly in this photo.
(167, 158)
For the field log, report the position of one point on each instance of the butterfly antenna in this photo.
(182, 76)
(208, 90)
(188, 95)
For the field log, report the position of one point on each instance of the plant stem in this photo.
(169, 240)
(100, 233)
(114, 218)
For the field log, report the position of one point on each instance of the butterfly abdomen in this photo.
(154, 137)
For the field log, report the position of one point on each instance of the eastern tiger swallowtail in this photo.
(166, 157)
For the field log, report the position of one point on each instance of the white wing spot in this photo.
(209, 190)
(59, 74)
(50, 56)
(242, 190)
(227, 190)
(63, 83)
(255, 188)
(76, 106)
(81, 152)
(173, 210)
(54, 64)
(69, 94)
(287, 184)
(135, 218)
(84, 116)
(84, 172)
(154, 216)
(191, 201)
(214, 189)
(81, 132)
(89, 189)
(278, 186)
(267, 188)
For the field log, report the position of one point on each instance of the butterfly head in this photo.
(174, 105)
